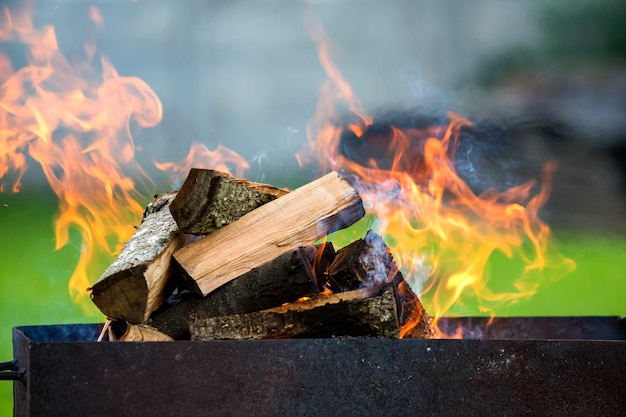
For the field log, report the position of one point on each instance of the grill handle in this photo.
(9, 371)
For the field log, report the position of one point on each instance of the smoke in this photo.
(487, 158)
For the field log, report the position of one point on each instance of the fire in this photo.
(76, 125)
(74, 119)
(441, 233)
(221, 159)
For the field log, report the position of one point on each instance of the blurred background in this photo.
(551, 74)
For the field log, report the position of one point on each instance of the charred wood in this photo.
(414, 320)
(321, 258)
(362, 263)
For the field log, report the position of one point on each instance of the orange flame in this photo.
(77, 127)
(441, 233)
(221, 159)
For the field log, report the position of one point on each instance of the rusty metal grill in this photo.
(61, 371)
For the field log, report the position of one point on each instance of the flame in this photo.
(221, 159)
(74, 119)
(441, 233)
(76, 125)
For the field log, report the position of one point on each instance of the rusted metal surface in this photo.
(524, 328)
(67, 373)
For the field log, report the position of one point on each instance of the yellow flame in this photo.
(441, 233)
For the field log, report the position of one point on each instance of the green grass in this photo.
(596, 287)
(33, 281)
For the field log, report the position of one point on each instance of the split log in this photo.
(343, 314)
(295, 219)
(143, 333)
(415, 323)
(364, 262)
(321, 257)
(138, 281)
(368, 262)
(210, 199)
(282, 280)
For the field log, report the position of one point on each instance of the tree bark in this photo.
(295, 219)
(210, 199)
(344, 314)
(138, 281)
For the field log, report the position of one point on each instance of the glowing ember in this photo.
(76, 125)
(441, 233)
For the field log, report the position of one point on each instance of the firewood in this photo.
(295, 219)
(362, 263)
(343, 314)
(210, 199)
(143, 333)
(368, 262)
(282, 280)
(321, 257)
(414, 320)
(138, 281)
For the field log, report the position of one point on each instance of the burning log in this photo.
(282, 280)
(414, 320)
(210, 199)
(343, 314)
(138, 281)
(362, 263)
(321, 257)
(368, 262)
(300, 217)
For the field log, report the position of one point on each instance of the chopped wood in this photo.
(362, 263)
(138, 281)
(210, 199)
(295, 219)
(343, 314)
(368, 262)
(321, 257)
(282, 280)
(143, 333)
(414, 320)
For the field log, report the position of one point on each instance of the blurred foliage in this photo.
(572, 33)
(583, 31)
